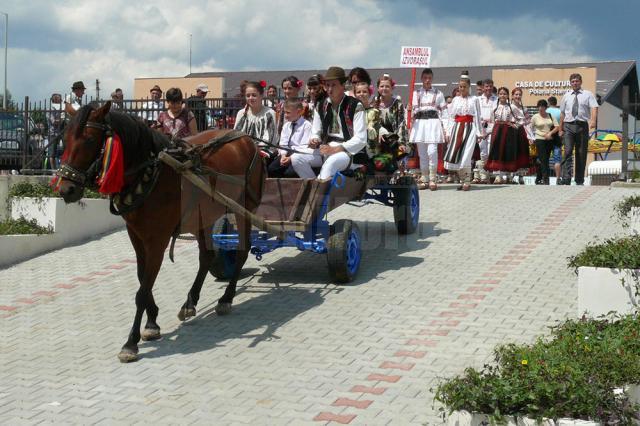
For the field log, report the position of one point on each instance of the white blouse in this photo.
(261, 125)
(429, 100)
(465, 106)
(508, 113)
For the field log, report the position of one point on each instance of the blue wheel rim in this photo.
(353, 253)
(414, 206)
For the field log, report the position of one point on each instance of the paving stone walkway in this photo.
(486, 267)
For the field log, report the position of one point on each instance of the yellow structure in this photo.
(142, 86)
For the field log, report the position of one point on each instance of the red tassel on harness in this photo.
(111, 178)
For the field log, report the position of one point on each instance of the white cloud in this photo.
(120, 40)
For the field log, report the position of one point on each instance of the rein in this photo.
(277, 146)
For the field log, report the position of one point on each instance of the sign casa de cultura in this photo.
(541, 83)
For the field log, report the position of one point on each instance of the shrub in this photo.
(571, 374)
(623, 208)
(40, 190)
(620, 253)
(22, 226)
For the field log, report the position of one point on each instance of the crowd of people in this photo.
(344, 122)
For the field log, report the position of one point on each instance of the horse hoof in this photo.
(186, 313)
(223, 308)
(127, 355)
(149, 334)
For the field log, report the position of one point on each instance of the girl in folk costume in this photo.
(463, 131)
(381, 152)
(506, 122)
(315, 95)
(258, 120)
(291, 88)
(526, 136)
(427, 130)
(393, 119)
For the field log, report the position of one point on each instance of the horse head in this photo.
(84, 141)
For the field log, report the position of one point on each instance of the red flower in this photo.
(299, 83)
(263, 83)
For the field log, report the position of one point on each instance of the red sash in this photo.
(464, 118)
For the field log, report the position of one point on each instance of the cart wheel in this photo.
(344, 251)
(406, 205)
(224, 262)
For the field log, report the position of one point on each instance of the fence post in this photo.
(625, 134)
(25, 136)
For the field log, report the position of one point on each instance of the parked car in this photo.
(12, 139)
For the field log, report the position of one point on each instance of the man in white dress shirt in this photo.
(578, 112)
(153, 107)
(339, 128)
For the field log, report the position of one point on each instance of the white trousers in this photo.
(303, 163)
(428, 153)
(334, 163)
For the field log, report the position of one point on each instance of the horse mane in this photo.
(132, 129)
(80, 118)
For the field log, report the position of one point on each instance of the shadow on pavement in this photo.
(255, 320)
(382, 250)
(291, 286)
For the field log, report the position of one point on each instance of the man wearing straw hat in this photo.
(339, 129)
(73, 101)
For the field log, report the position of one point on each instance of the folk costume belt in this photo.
(427, 115)
(464, 118)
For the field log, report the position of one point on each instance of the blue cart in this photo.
(299, 207)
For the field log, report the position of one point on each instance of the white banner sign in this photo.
(415, 57)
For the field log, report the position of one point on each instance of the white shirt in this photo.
(428, 100)
(299, 140)
(359, 138)
(73, 100)
(586, 101)
(487, 106)
(151, 110)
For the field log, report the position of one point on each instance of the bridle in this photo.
(80, 177)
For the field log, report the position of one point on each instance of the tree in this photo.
(9, 100)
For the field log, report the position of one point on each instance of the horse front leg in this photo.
(244, 234)
(153, 254)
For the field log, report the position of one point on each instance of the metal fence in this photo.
(31, 132)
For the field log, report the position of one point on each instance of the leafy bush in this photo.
(40, 190)
(22, 226)
(621, 253)
(624, 206)
(572, 374)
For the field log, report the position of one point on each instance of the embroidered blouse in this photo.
(505, 112)
(178, 126)
(261, 125)
(461, 106)
(429, 100)
(394, 120)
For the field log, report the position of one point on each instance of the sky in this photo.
(52, 44)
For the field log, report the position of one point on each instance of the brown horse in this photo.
(153, 213)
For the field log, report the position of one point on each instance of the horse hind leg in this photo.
(205, 259)
(151, 329)
(244, 232)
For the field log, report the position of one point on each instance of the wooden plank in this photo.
(297, 226)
